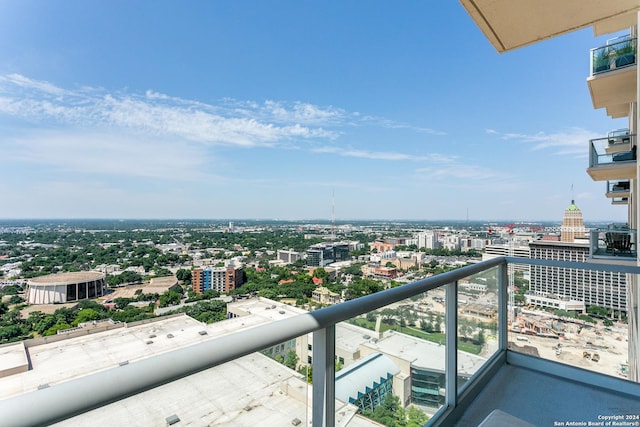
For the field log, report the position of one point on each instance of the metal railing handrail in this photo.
(598, 149)
(74, 397)
(68, 399)
(602, 57)
(609, 137)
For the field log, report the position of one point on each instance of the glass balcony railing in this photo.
(620, 201)
(435, 343)
(618, 188)
(617, 53)
(612, 158)
(613, 243)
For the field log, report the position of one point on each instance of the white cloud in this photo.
(303, 113)
(384, 155)
(392, 124)
(155, 114)
(460, 175)
(572, 141)
(27, 83)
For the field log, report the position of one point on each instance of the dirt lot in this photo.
(611, 346)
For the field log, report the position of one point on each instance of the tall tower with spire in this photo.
(572, 224)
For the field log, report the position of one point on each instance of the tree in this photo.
(131, 314)
(208, 311)
(437, 328)
(64, 315)
(307, 371)
(184, 275)
(16, 299)
(170, 298)
(57, 327)
(10, 290)
(121, 303)
(320, 273)
(3, 308)
(390, 413)
(291, 361)
(42, 323)
(417, 418)
(10, 333)
(90, 304)
(87, 315)
(388, 316)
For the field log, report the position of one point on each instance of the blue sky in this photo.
(254, 109)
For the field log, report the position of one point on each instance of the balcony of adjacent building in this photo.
(612, 82)
(229, 379)
(620, 201)
(618, 189)
(613, 158)
(615, 244)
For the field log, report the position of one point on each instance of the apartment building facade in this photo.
(221, 279)
(601, 288)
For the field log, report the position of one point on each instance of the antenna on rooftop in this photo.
(572, 197)
(333, 214)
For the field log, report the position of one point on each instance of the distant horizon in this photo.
(499, 222)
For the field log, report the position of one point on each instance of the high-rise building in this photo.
(572, 224)
(427, 239)
(601, 288)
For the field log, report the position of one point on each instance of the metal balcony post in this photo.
(451, 349)
(324, 396)
(503, 298)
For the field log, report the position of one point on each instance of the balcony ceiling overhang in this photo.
(618, 111)
(510, 24)
(613, 90)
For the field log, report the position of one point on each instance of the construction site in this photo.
(572, 341)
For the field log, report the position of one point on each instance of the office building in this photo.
(323, 254)
(572, 224)
(288, 256)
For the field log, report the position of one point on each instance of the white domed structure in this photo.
(65, 287)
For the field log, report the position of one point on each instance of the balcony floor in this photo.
(543, 392)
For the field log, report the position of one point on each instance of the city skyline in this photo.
(219, 110)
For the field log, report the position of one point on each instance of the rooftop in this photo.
(251, 388)
(71, 277)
